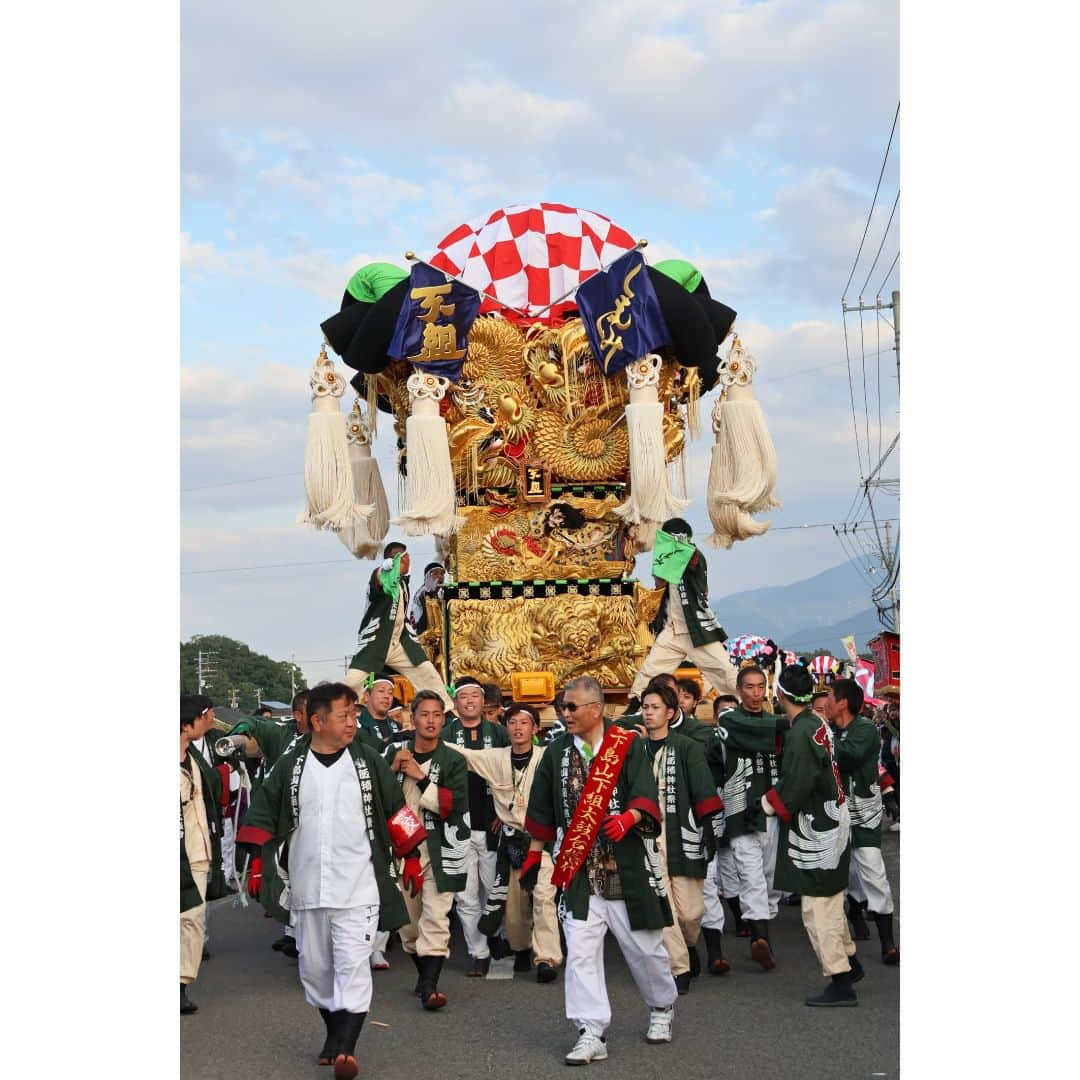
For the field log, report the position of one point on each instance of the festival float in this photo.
(541, 382)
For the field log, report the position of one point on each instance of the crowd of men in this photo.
(366, 821)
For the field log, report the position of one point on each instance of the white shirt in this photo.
(330, 862)
(675, 617)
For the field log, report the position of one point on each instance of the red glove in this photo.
(412, 876)
(255, 877)
(223, 772)
(530, 871)
(615, 828)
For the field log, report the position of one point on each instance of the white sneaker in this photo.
(588, 1048)
(660, 1025)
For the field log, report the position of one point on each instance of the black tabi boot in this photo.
(348, 1030)
(499, 947)
(419, 973)
(890, 954)
(859, 930)
(480, 967)
(430, 969)
(714, 945)
(186, 1004)
(837, 993)
(523, 960)
(741, 929)
(326, 1054)
(695, 960)
(857, 972)
(760, 949)
(682, 982)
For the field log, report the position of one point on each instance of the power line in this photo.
(233, 483)
(873, 203)
(341, 562)
(886, 277)
(884, 235)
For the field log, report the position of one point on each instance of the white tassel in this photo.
(364, 539)
(328, 481)
(430, 496)
(651, 498)
(742, 473)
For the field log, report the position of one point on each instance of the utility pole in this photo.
(889, 562)
(292, 675)
(205, 668)
(234, 701)
(258, 697)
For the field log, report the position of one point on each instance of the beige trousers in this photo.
(424, 677)
(428, 929)
(827, 927)
(670, 649)
(533, 922)
(687, 896)
(192, 928)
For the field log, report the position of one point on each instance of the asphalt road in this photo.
(253, 1020)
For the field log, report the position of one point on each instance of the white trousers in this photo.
(757, 897)
(335, 956)
(713, 919)
(587, 1004)
(478, 885)
(727, 874)
(382, 939)
(228, 835)
(670, 649)
(867, 880)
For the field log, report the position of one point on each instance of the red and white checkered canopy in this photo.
(529, 255)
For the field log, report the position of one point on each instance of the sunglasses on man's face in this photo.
(569, 706)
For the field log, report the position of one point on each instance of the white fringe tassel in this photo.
(429, 486)
(364, 539)
(651, 498)
(743, 469)
(328, 480)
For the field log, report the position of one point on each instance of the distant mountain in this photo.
(805, 615)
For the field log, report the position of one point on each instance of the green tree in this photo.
(232, 666)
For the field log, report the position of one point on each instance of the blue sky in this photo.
(745, 137)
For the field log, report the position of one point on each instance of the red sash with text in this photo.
(592, 805)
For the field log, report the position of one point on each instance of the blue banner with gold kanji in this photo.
(621, 313)
(433, 323)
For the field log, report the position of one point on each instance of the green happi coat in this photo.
(377, 627)
(743, 762)
(365, 723)
(815, 834)
(856, 750)
(693, 594)
(690, 801)
(275, 811)
(637, 856)
(274, 737)
(215, 878)
(492, 735)
(448, 831)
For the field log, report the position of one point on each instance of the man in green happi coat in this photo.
(619, 886)
(856, 747)
(690, 806)
(685, 626)
(386, 638)
(332, 805)
(434, 782)
(815, 836)
(471, 730)
(743, 761)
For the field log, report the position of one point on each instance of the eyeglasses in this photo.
(569, 706)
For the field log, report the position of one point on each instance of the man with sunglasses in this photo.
(594, 795)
